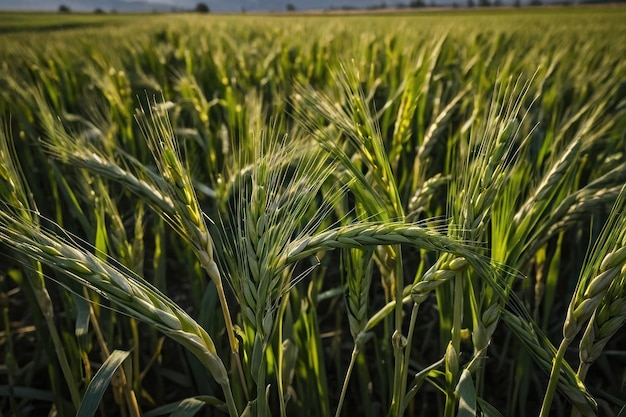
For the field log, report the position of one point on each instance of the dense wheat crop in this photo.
(315, 215)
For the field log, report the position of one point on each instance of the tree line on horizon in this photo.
(200, 8)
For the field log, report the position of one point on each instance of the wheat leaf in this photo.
(466, 394)
(100, 382)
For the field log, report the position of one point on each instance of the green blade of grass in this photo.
(98, 385)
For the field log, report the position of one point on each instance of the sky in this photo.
(214, 5)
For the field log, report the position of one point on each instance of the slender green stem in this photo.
(457, 323)
(280, 365)
(344, 388)
(261, 400)
(399, 341)
(557, 363)
(419, 379)
(450, 404)
(583, 368)
(234, 343)
(230, 400)
(396, 402)
(407, 357)
(457, 318)
(385, 311)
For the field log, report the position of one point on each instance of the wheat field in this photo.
(313, 215)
